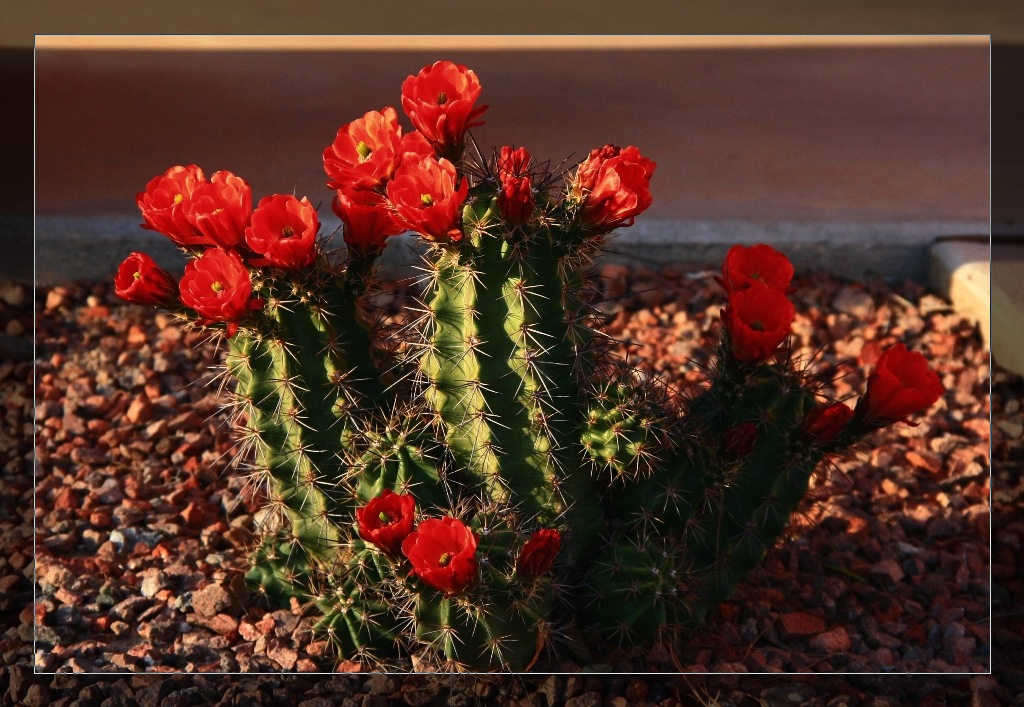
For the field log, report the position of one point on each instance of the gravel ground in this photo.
(140, 534)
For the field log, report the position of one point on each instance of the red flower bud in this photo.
(738, 441)
(615, 186)
(826, 422)
(284, 231)
(901, 385)
(538, 553)
(141, 281)
(218, 287)
(515, 200)
(443, 554)
(220, 209)
(758, 319)
(440, 101)
(163, 205)
(745, 265)
(427, 200)
(368, 220)
(387, 520)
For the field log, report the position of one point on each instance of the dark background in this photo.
(1002, 19)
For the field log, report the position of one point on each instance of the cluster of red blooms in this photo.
(442, 551)
(214, 218)
(386, 182)
(759, 316)
(758, 319)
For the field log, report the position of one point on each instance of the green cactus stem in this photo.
(304, 375)
(499, 374)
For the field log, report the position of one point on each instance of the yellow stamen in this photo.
(442, 98)
(426, 199)
(287, 232)
(445, 560)
(137, 275)
(756, 325)
(178, 198)
(384, 517)
(363, 149)
(217, 286)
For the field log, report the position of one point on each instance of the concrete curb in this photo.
(1007, 304)
(984, 283)
(960, 271)
(68, 249)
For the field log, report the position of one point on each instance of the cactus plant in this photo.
(470, 486)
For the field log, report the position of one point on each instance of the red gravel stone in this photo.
(221, 623)
(831, 642)
(318, 648)
(798, 624)
(211, 600)
(196, 514)
(925, 460)
(66, 500)
(888, 573)
(282, 653)
(250, 633)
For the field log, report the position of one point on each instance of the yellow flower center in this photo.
(442, 98)
(445, 559)
(384, 517)
(178, 198)
(287, 232)
(137, 275)
(756, 325)
(217, 286)
(426, 199)
(363, 149)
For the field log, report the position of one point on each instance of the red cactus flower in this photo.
(901, 385)
(218, 287)
(365, 152)
(220, 209)
(758, 320)
(284, 231)
(387, 520)
(428, 197)
(738, 441)
(538, 553)
(368, 220)
(443, 554)
(614, 185)
(441, 103)
(140, 280)
(515, 200)
(163, 205)
(745, 265)
(826, 422)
